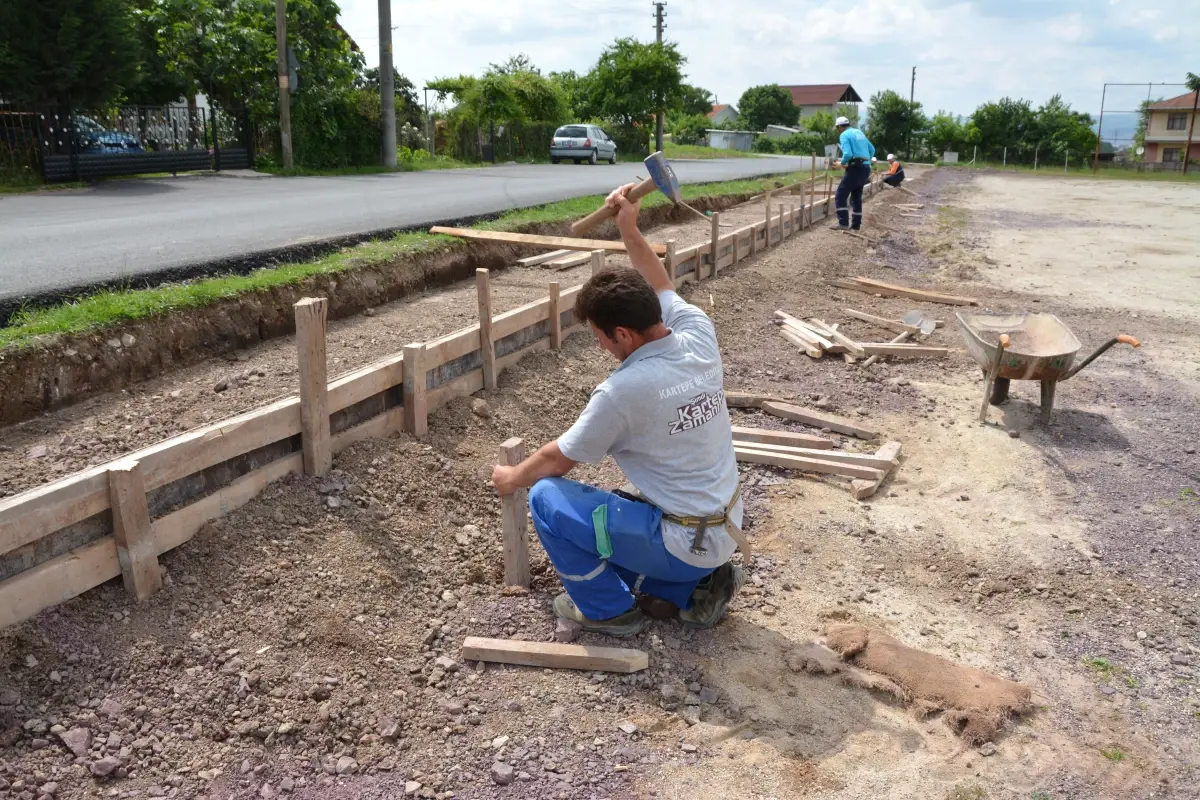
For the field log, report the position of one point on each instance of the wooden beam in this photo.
(837, 456)
(905, 350)
(899, 338)
(918, 294)
(314, 389)
(483, 290)
(767, 231)
(513, 510)
(671, 259)
(765, 436)
(805, 329)
(852, 347)
(558, 242)
(747, 399)
(810, 349)
(817, 419)
(597, 259)
(881, 322)
(749, 455)
(715, 244)
(553, 655)
(555, 317)
(131, 530)
(416, 413)
(566, 262)
(543, 258)
(863, 489)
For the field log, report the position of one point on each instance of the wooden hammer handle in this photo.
(604, 212)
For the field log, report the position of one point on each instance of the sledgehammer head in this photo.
(663, 176)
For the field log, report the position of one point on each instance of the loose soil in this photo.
(308, 644)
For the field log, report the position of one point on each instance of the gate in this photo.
(81, 144)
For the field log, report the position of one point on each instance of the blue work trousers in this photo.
(851, 189)
(603, 546)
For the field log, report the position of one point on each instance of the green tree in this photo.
(820, 123)
(891, 120)
(526, 104)
(690, 130)
(695, 100)
(408, 105)
(626, 84)
(849, 111)
(765, 105)
(81, 52)
(1059, 130)
(946, 133)
(1006, 124)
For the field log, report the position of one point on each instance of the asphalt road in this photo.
(54, 241)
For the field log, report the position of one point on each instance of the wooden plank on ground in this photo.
(804, 330)
(839, 456)
(905, 350)
(749, 455)
(764, 436)
(863, 489)
(542, 258)
(513, 510)
(314, 386)
(566, 262)
(554, 656)
(811, 349)
(893, 325)
(483, 291)
(131, 530)
(558, 242)
(817, 419)
(852, 347)
(747, 399)
(917, 294)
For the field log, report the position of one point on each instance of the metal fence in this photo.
(82, 144)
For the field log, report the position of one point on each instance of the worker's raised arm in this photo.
(641, 256)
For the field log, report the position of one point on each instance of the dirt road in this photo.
(309, 644)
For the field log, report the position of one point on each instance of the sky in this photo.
(966, 53)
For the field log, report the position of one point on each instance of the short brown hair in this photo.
(618, 298)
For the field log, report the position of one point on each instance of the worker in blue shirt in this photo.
(857, 153)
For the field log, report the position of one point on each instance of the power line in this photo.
(660, 12)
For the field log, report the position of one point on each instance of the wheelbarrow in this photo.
(1041, 348)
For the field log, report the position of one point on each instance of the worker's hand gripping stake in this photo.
(662, 177)
(1001, 346)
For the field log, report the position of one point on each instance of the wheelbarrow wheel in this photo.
(1048, 388)
(999, 391)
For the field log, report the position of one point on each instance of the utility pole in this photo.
(387, 83)
(285, 95)
(1099, 128)
(1187, 150)
(912, 88)
(659, 13)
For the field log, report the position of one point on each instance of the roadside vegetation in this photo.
(110, 307)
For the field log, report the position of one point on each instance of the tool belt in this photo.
(856, 162)
(702, 524)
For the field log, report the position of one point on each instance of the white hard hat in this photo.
(873, 159)
(840, 122)
(891, 157)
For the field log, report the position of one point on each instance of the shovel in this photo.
(922, 321)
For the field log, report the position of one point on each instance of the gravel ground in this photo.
(309, 643)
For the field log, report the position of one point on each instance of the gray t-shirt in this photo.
(662, 417)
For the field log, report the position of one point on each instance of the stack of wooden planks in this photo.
(817, 337)
(866, 471)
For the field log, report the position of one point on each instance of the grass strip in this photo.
(111, 307)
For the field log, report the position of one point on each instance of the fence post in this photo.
(737, 249)
(513, 510)
(716, 241)
(555, 316)
(131, 529)
(767, 232)
(314, 406)
(781, 223)
(216, 139)
(415, 409)
(598, 257)
(486, 344)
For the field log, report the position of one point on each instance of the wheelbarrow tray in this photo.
(1041, 347)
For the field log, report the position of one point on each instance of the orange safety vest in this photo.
(892, 170)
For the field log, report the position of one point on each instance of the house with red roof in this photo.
(721, 113)
(1167, 130)
(815, 97)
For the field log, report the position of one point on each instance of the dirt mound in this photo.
(977, 703)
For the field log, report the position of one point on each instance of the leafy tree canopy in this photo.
(770, 104)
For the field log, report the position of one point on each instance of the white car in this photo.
(582, 143)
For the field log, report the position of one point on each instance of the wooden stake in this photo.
(781, 234)
(767, 232)
(737, 247)
(598, 261)
(716, 240)
(813, 166)
(554, 655)
(314, 400)
(902, 337)
(670, 259)
(513, 510)
(131, 529)
(555, 317)
(416, 411)
(483, 289)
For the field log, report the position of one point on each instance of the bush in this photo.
(764, 144)
(631, 142)
(691, 130)
(340, 130)
(800, 144)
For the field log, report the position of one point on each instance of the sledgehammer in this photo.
(662, 177)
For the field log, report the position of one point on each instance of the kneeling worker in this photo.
(895, 174)
(857, 152)
(662, 416)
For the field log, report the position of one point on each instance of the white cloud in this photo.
(966, 51)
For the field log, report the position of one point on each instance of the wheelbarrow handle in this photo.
(1124, 338)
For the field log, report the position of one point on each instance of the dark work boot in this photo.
(627, 624)
(711, 598)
